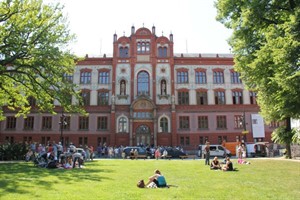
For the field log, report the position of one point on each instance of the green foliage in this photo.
(266, 47)
(12, 151)
(282, 136)
(34, 57)
(296, 136)
(116, 179)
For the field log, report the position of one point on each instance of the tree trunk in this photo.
(288, 144)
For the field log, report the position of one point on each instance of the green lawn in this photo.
(116, 179)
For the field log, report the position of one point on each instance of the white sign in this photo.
(258, 126)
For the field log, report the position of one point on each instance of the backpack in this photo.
(141, 184)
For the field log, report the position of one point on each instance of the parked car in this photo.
(173, 152)
(256, 150)
(141, 151)
(216, 150)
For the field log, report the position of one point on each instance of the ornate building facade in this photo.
(146, 94)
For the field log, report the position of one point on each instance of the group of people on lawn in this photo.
(215, 164)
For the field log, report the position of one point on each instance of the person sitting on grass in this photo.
(215, 164)
(157, 180)
(228, 166)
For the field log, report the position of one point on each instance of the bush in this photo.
(12, 151)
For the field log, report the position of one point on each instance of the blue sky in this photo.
(192, 23)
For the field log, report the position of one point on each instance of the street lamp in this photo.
(243, 123)
(62, 123)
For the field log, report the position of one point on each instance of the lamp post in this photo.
(243, 123)
(62, 124)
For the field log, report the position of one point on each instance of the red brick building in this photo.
(147, 94)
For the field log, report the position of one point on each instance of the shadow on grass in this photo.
(23, 173)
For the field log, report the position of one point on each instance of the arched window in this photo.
(143, 83)
(163, 87)
(164, 124)
(139, 47)
(147, 47)
(123, 52)
(218, 77)
(123, 87)
(143, 47)
(122, 124)
(162, 52)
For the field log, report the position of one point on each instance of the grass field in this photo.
(116, 179)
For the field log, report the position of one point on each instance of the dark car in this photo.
(174, 153)
(141, 151)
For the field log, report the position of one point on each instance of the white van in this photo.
(215, 150)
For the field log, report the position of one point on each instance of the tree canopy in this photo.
(266, 47)
(34, 57)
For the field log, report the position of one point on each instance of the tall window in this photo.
(203, 139)
(163, 87)
(68, 77)
(201, 98)
(202, 122)
(218, 77)
(238, 124)
(85, 77)
(123, 52)
(123, 124)
(253, 96)
(143, 47)
(86, 96)
(103, 98)
(221, 122)
(182, 77)
(83, 123)
(143, 83)
(235, 78)
(184, 122)
(47, 123)
(219, 97)
(28, 123)
(184, 141)
(200, 77)
(83, 141)
(221, 139)
(162, 52)
(102, 123)
(237, 97)
(183, 98)
(11, 123)
(103, 77)
(274, 124)
(164, 124)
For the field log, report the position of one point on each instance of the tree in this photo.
(266, 48)
(34, 58)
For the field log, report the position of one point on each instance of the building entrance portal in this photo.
(143, 135)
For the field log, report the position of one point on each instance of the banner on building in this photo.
(258, 126)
